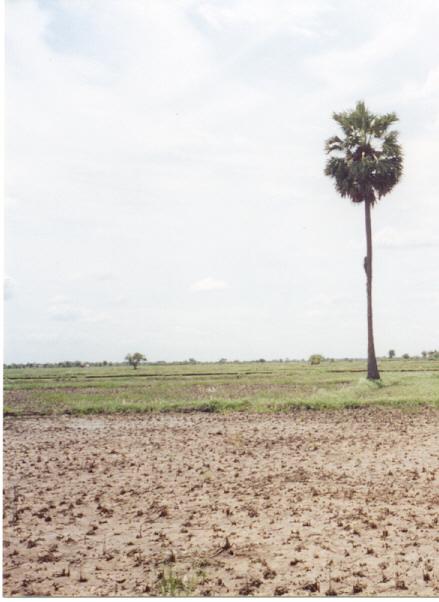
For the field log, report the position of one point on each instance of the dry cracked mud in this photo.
(305, 503)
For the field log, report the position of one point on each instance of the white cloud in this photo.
(209, 284)
(90, 276)
(66, 312)
(355, 71)
(276, 17)
(390, 238)
(8, 288)
(103, 276)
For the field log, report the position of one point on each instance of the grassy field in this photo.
(258, 387)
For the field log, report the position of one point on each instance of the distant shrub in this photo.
(315, 359)
(134, 359)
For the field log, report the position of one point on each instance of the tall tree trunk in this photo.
(372, 368)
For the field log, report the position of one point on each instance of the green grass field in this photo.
(258, 387)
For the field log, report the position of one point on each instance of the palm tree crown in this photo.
(367, 162)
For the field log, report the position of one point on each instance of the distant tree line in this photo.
(314, 359)
(426, 355)
(66, 364)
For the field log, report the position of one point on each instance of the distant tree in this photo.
(223, 360)
(192, 360)
(424, 354)
(405, 356)
(315, 359)
(365, 164)
(391, 353)
(134, 359)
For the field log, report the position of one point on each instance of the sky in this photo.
(164, 179)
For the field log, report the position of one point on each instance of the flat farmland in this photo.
(218, 387)
(222, 480)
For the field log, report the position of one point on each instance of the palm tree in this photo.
(365, 164)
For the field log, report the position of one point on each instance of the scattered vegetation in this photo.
(171, 584)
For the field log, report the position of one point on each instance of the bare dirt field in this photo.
(304, 503)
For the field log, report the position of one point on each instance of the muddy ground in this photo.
(306, 503)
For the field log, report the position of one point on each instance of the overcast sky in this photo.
(165, 189)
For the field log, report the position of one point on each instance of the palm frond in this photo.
(334, 144)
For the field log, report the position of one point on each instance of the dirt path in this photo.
(307, 503)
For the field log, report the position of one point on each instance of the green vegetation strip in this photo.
(136, 375)
(211, 388)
